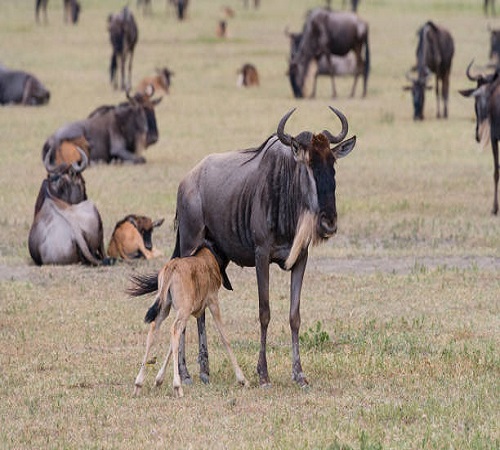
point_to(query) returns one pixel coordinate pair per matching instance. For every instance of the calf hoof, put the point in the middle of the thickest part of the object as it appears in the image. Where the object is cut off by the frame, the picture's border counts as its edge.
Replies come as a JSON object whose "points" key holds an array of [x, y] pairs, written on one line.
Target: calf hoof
{"points": [[137, 390], [178, 392]]}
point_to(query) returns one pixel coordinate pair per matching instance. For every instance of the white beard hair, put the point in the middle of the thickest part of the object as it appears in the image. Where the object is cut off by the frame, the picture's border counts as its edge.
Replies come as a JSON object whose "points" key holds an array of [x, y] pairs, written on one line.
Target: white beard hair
{"points": [[306, 232], [484, 134]]}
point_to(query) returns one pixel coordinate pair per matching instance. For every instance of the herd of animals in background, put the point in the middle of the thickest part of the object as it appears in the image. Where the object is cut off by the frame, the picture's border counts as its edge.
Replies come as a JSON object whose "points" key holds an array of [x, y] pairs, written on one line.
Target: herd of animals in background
{"points": [[67, 227]]}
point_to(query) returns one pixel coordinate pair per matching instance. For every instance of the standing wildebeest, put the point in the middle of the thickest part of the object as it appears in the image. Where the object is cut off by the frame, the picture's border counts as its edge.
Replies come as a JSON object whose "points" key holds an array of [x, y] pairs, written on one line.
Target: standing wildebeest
{"points": [[67, 228], [247, 76], [159, 81], [17, 86], [487, 105], [188, 285], [328, 33], [114, 132], [347, 65], [434, 55], [123, 35], [261, 206], [71, 10], [132, 238]]}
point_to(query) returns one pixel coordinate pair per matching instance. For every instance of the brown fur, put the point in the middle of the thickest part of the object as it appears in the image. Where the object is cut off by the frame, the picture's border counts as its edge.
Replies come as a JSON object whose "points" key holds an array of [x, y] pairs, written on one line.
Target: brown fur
{"points": [[68, 152], [159, 81], [248, 76], [221, 30], [128, 239], [189, 285]]}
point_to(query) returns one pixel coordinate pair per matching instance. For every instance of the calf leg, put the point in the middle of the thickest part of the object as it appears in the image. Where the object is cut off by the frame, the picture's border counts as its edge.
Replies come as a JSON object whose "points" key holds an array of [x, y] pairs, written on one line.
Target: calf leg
{"points": [[214, 309]]}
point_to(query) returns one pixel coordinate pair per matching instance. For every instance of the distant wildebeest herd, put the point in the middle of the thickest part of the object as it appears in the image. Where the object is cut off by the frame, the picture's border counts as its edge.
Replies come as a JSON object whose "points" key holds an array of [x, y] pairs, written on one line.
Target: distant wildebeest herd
{"points": [[253, 207]]}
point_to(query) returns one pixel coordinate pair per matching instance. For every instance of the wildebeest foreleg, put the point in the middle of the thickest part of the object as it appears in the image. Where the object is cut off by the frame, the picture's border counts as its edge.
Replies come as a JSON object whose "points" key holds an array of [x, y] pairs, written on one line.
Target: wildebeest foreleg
{"points": [[494, 146], [262, 269], [297, 277], [130, 60], [445, 88]]}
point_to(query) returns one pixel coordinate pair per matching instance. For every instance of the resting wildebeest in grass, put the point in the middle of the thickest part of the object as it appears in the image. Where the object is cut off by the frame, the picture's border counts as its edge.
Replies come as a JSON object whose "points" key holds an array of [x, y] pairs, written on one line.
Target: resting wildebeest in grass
{"points": [[20, 87], [188, 285], [114, 133], [260, 206], [435, 51], [161, 80], [247, 76], [486, 96], [71, 10], [67, 228], [132, 238], [123, 35], [332, 66], [328, 33]]}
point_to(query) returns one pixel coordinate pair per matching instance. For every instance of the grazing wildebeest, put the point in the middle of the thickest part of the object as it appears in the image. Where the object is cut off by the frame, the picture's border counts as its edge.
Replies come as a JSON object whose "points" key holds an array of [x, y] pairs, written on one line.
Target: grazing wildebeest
{"points": [[132, 238], [435, 51], [67, 228], [261, 206], [123, 34], [328, 33], [188, 285], [71, 10], [489, 4], [17, 86], [337, 66], [247, 76], [487, 106], [162, 80], [118, 133]]}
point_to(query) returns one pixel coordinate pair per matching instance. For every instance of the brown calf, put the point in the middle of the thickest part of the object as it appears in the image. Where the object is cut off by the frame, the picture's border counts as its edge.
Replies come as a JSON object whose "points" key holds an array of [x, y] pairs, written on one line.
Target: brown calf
{"points": [[132, 238], [159, 81], [189, 285], [68, 151], [248, 76]]}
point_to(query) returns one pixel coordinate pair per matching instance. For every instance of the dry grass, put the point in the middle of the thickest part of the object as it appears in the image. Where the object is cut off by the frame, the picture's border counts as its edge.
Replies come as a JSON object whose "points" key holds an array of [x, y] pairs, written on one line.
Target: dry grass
{"points": [[410, 358]]}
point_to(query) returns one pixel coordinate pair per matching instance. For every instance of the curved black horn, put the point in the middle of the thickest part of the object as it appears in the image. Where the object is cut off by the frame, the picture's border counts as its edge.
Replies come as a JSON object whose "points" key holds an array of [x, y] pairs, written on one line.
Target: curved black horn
{"points": [[469, 75], [283, 137], [80, 166], [343, 133], [49, 167]]}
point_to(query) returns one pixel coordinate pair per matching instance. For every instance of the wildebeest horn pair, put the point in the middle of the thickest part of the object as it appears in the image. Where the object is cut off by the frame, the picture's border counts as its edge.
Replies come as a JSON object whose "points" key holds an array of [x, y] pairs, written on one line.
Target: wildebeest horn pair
{"points": [[287, 139], [78, 166]]}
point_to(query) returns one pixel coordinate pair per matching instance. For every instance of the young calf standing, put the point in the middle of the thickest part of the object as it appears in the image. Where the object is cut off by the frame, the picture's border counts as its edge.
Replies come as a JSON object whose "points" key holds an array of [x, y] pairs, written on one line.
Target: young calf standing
{"points": [[189, 285]]}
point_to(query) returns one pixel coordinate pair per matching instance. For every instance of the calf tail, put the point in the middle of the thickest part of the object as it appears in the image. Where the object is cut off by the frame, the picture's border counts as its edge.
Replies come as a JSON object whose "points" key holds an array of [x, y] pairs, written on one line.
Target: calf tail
{"points": [[143, 284], [153, 311]]}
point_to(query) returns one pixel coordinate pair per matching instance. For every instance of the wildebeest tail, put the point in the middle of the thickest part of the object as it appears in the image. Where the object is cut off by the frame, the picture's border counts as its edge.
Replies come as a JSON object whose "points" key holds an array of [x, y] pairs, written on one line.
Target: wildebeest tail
{"points": [[143, 284]]}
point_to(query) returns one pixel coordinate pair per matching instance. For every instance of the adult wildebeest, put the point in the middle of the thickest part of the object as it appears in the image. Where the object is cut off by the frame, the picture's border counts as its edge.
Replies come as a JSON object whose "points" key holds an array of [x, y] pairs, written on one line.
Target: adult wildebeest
{"points": [[347, 65], [118, 133], [261, 206], [494, 46], [247, 76], [487, 106], [132, 238], [435, 51], [161, 80], [71, 10], [188, 285], [67, 228], [17, 86], [328, 33], [123, 34]]}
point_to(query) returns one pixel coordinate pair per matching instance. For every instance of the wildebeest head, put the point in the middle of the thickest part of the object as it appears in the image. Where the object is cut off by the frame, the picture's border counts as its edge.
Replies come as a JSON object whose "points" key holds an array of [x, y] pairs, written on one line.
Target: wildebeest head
{"points": [[145, 102], [65, 181], [35, 92], [418, 88], [315, 150], [145, 226]]}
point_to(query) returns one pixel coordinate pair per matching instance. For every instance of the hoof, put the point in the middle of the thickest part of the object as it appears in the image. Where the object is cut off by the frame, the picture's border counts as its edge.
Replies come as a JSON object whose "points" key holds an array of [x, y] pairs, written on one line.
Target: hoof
{"points": [[137, 390], [205, 378], [178, 392]]}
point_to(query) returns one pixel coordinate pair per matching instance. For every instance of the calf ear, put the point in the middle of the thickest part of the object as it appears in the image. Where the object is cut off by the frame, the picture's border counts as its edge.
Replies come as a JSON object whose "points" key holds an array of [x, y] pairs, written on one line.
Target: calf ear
{"points": [[158, 222], [344, 148], [466, 92]]}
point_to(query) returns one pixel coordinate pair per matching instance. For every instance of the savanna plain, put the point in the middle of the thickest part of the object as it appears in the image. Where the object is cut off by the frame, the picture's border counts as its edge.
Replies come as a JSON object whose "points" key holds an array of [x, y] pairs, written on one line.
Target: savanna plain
{"points": [[400, 310]]}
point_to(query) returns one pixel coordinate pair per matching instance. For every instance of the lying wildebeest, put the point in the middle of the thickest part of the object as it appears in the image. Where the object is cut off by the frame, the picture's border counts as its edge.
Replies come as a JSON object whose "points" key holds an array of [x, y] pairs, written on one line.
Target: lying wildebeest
{"points": [[188, 285], [71, 10], [67, 228], [123, 34], [159, 81], [247, 76], [17, 86], [132, 238], [114, 133], [261, 206], [336, 66], [487, 106], [489, 4], [435, 51], [328, 33]]}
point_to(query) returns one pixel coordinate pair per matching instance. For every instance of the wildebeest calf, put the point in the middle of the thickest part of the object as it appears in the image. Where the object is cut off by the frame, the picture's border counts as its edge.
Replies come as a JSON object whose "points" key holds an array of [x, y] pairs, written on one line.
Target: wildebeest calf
{"points": [[159, 81], [132, 238], [247, 76], [189, 285]]}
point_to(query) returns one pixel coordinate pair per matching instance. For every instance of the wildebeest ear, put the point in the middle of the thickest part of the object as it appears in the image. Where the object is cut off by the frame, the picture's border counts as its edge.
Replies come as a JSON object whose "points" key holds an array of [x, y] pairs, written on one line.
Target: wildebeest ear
{"points": [[344, 148], [466, 92], [158, 222]]}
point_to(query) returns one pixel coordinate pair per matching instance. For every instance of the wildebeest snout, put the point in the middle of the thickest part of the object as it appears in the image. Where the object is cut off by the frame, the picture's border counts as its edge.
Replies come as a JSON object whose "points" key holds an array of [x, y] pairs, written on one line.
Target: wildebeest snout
{"points": [[327, 225]]}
